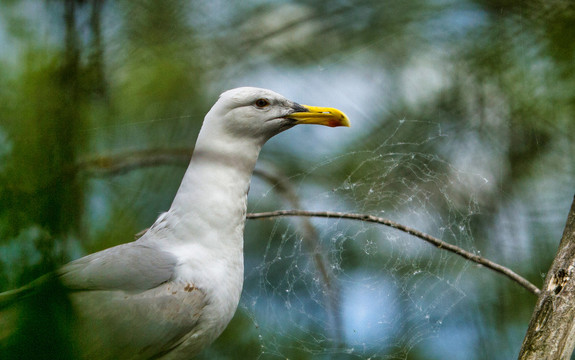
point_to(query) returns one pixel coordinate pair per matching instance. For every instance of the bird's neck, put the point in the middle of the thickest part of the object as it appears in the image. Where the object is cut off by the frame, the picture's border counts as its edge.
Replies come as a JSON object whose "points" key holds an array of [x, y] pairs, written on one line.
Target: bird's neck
{"points": [[205, 224], [210, 205]]}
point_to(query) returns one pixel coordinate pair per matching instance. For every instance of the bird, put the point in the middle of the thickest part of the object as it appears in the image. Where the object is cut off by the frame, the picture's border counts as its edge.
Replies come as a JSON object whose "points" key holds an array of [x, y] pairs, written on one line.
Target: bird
{"points": [[170, 293]]}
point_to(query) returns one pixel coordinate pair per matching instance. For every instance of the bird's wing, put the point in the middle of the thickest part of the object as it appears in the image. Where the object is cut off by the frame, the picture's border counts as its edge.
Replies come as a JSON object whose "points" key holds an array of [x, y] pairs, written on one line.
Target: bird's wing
{"points": [[114, 324], [125, 303], [128, 303], [128, 267]]}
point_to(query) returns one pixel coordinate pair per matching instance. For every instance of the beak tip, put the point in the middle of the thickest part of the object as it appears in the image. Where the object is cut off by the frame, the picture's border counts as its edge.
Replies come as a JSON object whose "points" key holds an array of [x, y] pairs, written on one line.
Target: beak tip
{"points": [[322, 116], [342, 124], [343, 121]]}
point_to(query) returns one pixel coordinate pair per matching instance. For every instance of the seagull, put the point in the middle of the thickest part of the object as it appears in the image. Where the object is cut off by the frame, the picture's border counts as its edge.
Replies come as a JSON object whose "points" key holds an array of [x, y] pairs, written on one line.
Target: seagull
{"points": [[173, 291]]}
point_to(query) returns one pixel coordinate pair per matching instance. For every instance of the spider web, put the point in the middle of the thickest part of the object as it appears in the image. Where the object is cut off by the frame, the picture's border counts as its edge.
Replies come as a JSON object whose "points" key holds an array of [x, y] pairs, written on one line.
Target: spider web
{"points": [[386, 294], [386, 291]]}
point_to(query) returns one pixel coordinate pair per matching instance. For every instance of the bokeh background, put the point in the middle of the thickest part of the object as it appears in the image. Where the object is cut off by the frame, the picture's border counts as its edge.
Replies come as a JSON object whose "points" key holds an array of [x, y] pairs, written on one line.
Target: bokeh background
{"points": [[462, 126]]}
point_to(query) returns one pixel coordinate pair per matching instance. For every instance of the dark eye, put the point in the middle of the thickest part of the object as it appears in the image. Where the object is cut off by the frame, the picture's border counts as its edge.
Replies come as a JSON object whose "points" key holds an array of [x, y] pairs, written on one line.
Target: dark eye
{"points": [[262, 103]]}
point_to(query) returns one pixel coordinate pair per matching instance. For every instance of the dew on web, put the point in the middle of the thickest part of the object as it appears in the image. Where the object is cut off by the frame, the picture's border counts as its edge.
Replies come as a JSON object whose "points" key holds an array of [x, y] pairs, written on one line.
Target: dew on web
{"points": [[384, 291]]}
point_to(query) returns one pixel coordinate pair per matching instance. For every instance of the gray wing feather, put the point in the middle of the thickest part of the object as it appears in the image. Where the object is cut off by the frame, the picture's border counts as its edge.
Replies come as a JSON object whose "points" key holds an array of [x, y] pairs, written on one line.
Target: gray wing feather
{"points": [[129, 267], [125, 304], [137, 325]]}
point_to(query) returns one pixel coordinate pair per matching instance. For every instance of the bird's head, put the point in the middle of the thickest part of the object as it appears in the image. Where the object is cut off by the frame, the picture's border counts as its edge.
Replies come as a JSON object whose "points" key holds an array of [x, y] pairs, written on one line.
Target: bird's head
{"points": [[261, 113]]}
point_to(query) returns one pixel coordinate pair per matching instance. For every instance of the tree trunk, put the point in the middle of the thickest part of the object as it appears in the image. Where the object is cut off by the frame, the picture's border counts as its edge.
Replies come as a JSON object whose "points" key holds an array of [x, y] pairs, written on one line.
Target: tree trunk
{"points": [[551, 332]]}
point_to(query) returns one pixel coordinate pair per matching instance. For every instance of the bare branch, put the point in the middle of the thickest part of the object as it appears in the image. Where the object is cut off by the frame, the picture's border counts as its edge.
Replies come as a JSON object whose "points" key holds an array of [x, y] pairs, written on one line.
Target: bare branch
{"points": [[112, 165], [122, 163], [551, 332], [423, 236], [312, 242], [109, 165]]}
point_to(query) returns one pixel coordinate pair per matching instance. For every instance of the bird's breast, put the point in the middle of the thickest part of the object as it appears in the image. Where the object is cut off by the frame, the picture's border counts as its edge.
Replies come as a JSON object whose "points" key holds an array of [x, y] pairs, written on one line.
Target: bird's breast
{"points": [[219, 275]]}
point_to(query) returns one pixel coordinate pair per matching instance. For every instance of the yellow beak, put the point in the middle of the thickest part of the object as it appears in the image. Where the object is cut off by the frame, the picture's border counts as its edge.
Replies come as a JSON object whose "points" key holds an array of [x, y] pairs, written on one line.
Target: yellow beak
{"points": [[321, 116]]}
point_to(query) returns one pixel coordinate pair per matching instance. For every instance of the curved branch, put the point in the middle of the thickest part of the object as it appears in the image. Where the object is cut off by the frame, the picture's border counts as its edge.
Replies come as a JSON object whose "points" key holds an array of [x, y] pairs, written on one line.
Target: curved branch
{"points": [[423, 236], [119, 164], [311, 240]]}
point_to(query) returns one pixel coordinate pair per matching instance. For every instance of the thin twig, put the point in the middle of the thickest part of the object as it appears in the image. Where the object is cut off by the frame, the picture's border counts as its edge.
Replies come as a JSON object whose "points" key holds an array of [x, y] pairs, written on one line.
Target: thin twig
{"points": [[423, 236], [118, 164], [112, 165]]}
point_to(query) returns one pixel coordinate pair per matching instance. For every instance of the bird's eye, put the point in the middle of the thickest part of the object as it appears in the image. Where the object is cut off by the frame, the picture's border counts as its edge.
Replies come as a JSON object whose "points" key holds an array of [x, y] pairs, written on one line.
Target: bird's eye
{"points": [[261, 103]]}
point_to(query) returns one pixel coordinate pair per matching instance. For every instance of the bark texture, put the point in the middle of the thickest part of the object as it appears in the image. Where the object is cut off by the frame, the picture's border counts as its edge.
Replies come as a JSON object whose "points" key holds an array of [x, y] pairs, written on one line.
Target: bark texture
{"points": [[551, 332]]}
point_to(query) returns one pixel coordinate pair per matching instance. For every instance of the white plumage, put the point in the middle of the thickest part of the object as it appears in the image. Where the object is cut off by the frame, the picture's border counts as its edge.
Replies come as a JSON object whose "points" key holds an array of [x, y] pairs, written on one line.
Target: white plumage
{"points": [[173, 291]]}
